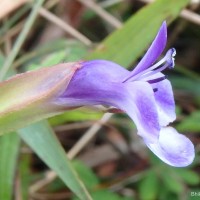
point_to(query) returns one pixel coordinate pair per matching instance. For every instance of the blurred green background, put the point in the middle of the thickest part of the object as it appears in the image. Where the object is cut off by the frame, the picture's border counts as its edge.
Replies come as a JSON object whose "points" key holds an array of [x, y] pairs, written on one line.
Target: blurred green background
{"points": [[112, 161]]}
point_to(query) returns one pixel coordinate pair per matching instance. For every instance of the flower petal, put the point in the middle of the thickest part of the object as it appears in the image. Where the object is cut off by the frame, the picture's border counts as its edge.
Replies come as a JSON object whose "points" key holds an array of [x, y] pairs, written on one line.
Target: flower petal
{"points": [[92, 83], [164, 98], [107, 69], [173, 148], [165, 102], [154, 50], [140, 105], [93, 86]]}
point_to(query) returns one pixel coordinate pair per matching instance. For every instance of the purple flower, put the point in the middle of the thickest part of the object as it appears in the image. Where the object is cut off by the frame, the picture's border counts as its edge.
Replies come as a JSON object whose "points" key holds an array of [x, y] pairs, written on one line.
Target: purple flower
{"points": [[144, 94]]}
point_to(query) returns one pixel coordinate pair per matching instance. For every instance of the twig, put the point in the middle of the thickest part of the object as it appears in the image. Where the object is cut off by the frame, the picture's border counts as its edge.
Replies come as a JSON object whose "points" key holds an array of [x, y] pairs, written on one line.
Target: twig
{"points": [[102, 13], [21, 38], [109, 3], [77, 125], [18, 189], [190, 16], [50, 4], [69, 29], [13, 31], [185, 13], [88, 135], [7, 45], [109, 154]]}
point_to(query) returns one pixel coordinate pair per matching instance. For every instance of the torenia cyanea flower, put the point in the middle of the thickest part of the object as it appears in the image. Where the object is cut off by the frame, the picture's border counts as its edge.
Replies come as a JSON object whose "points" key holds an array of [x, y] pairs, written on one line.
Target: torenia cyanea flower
{"points": [[144, 94]]}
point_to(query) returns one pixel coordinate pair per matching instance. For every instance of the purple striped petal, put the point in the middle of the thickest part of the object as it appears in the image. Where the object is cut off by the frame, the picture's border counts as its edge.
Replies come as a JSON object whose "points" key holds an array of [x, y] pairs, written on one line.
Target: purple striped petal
{"points": [[173, 148], [140, 105], [165, 102]]}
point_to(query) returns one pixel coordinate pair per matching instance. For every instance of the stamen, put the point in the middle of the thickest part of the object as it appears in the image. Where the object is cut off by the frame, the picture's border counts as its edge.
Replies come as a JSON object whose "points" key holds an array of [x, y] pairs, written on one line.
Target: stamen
{"points": [[166, 62], [166, 65], [170, 57]]}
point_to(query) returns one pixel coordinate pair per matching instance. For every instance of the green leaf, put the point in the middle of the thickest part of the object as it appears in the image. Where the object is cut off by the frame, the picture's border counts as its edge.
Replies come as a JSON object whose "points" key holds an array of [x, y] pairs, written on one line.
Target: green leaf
{"points": [[25, 174], [189, 176], [149, 186], [91, 181], [74, 116], [58, 51], [172, 183], [187, 72], [42, 140], [194, 194], [107, 195], [9, 148], [186, 84], [125, 45], [190, 123], [86, 174]]}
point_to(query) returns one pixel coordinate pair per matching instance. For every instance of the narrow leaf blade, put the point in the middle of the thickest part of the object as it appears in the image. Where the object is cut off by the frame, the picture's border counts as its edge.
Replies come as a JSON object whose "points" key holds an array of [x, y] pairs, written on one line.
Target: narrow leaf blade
{"points": [[9, 148], [42, 140]]}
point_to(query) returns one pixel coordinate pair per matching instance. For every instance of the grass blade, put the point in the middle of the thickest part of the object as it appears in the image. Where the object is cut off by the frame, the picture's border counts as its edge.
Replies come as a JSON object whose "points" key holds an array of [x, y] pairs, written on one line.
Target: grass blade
{"points": [[9, 146], [42, 140]]}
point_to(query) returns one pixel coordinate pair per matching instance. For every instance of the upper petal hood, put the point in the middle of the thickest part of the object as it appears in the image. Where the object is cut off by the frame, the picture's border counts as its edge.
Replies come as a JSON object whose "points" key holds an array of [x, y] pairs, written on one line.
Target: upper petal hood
{"points": [[94, 79], [154, 50]]}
